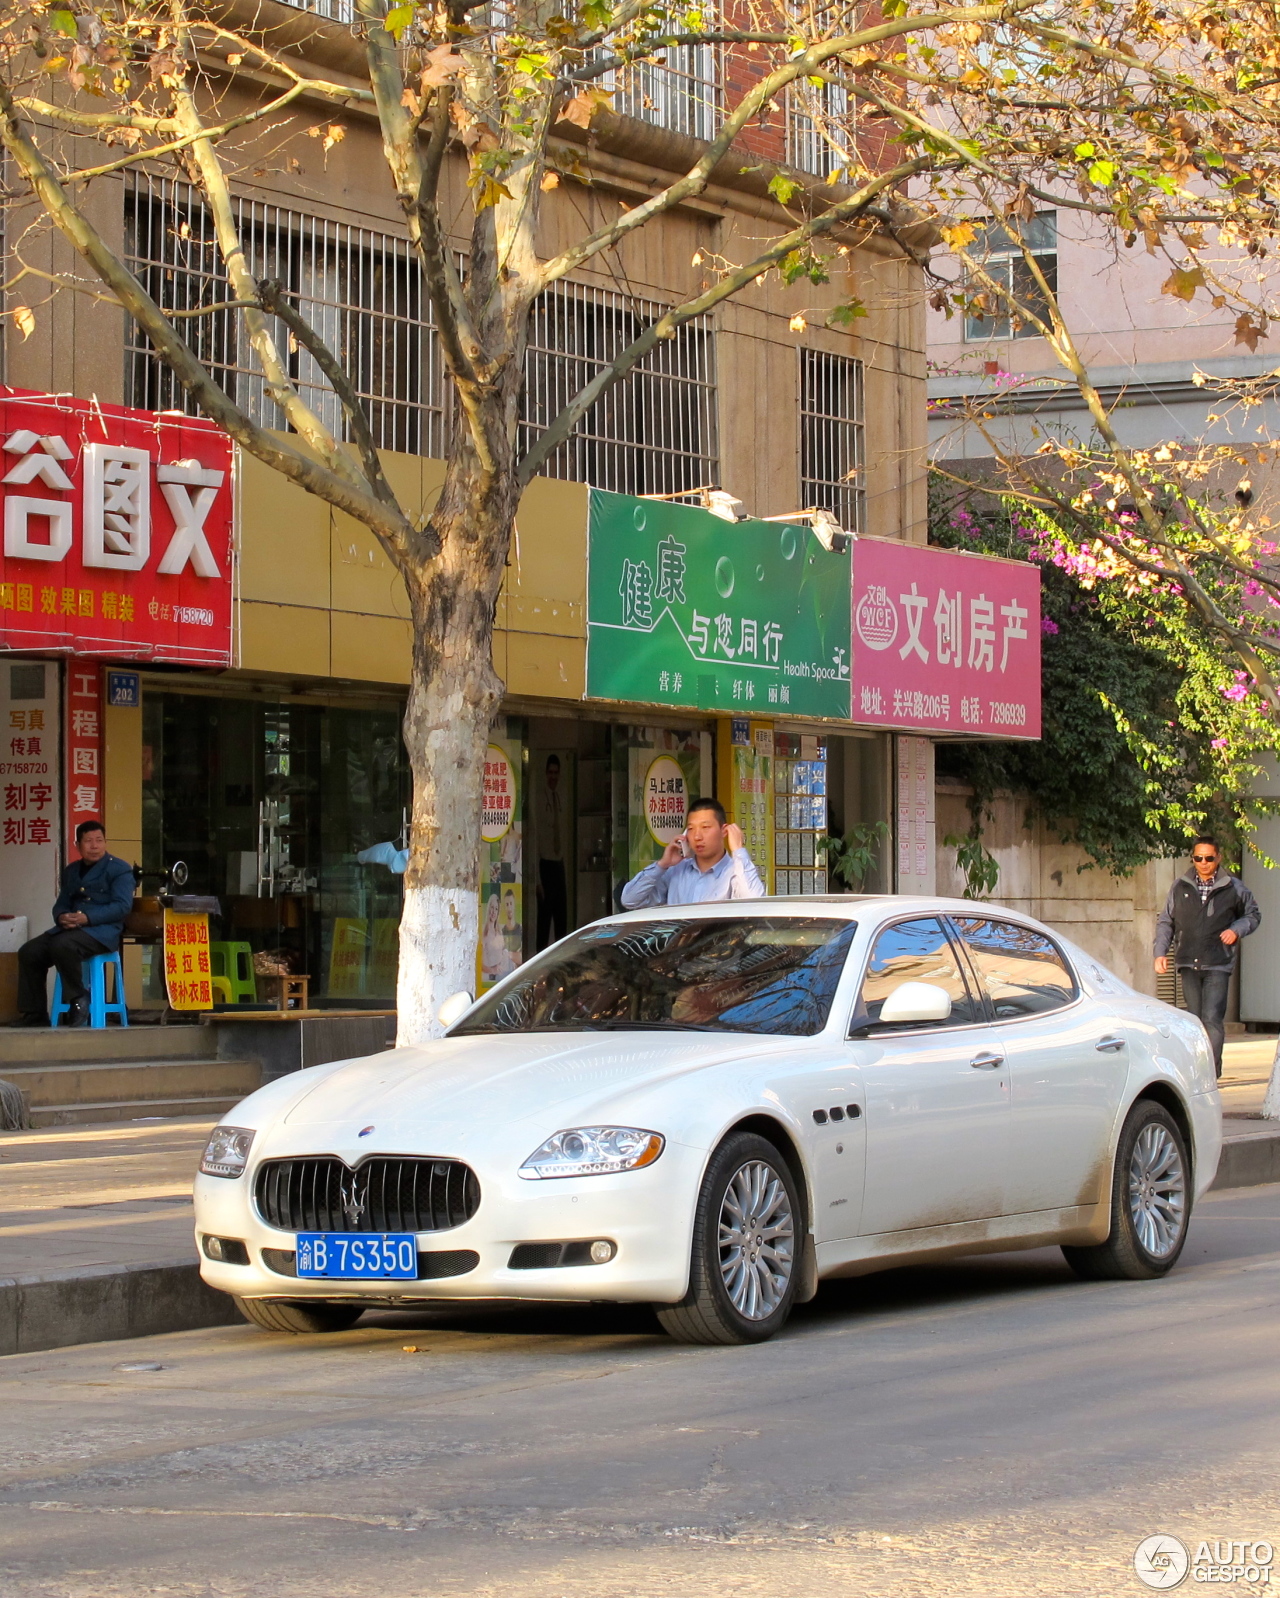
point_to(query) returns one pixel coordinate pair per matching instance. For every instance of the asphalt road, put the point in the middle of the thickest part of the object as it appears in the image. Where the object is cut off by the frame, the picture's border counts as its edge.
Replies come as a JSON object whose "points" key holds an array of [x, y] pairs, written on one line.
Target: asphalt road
{"points": [[990, 1427]]}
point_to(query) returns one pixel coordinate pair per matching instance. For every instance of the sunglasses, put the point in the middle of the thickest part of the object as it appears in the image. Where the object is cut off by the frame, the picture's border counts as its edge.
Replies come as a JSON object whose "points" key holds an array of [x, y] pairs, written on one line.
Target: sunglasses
{"points": [[1203, 859]]}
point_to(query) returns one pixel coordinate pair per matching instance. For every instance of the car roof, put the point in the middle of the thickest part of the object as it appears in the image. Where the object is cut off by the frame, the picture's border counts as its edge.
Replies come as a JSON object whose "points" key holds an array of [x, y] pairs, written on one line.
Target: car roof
{"points": [[841, 906]]}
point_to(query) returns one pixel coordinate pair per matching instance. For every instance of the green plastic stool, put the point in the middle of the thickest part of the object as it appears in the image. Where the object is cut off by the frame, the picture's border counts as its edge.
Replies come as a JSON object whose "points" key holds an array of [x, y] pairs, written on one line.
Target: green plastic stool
{"points": [[233, 964]]}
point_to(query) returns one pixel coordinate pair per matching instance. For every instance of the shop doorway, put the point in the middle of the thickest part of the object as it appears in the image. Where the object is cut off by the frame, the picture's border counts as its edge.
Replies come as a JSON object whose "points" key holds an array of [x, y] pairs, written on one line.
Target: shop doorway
{"points": [[269, 802]]}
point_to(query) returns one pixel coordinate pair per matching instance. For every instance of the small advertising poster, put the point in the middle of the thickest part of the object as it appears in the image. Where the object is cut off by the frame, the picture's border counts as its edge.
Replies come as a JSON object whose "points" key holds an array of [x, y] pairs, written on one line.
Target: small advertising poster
{"points": [[501, 862], [347, 957], [186, 961], [665, 770], [748, 761]]}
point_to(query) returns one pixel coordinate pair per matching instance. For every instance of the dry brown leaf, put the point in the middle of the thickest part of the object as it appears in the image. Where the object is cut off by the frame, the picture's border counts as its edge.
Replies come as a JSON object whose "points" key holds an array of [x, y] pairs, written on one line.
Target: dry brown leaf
{"points": [[24, 320], [550, 180], [1183, 282], [444, 64]]}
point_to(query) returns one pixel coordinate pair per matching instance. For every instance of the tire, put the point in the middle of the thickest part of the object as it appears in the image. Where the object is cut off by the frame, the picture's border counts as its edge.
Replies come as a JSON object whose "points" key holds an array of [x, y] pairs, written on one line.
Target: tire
{"points": [[288, 1315], [1150, 1202], [739, 1290]]}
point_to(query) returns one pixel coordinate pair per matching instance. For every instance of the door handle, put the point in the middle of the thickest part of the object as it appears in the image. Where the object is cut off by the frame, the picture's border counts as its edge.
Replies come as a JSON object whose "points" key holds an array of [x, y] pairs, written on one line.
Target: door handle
{"points": [[987, 1061], [1109, 1045]]}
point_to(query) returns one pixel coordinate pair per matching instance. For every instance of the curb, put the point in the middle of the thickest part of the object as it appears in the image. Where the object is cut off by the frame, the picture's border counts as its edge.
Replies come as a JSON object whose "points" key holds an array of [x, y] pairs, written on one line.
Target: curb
{"points": [[1249, 1161], [106, 1302]]}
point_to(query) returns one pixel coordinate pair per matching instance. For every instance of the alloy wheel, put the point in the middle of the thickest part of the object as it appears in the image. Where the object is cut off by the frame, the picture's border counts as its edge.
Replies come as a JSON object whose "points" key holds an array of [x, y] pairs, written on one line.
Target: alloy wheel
{"points": [[757, 1240], [1157, 1190]]}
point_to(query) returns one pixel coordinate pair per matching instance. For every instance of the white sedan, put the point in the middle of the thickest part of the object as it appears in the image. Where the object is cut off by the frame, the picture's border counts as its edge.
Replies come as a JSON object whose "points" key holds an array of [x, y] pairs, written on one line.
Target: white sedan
{"points": [[712, 1109]]}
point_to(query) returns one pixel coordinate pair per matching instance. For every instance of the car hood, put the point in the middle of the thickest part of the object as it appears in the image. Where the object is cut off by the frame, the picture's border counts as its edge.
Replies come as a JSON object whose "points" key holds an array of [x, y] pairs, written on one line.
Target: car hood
{"points": [[473, 1081]]}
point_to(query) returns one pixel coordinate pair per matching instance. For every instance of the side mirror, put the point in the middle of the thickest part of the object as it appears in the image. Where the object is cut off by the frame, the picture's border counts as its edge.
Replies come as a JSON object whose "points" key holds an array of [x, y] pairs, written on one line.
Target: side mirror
{"points": [[454, 1008], [916, 1001]]}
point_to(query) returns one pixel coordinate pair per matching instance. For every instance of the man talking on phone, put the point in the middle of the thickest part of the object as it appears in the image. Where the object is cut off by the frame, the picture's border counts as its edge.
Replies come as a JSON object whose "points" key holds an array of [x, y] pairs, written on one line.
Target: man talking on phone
{"points": [[708, 862]]}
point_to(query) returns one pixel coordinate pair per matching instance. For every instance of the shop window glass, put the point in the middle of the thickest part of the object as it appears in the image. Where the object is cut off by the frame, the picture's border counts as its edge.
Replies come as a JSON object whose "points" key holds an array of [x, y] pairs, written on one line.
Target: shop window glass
{"points": [[270, 803]]}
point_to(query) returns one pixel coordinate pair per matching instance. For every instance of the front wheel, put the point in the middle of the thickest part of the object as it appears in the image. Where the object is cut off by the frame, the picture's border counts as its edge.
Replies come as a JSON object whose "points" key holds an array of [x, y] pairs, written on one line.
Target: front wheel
{"points": [[746, 1244], [1150, 1202], [288, 1315]]}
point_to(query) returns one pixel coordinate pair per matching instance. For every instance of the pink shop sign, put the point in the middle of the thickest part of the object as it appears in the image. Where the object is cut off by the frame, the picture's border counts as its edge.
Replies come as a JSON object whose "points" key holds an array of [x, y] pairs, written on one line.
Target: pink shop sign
{"points": [[945, 642]]}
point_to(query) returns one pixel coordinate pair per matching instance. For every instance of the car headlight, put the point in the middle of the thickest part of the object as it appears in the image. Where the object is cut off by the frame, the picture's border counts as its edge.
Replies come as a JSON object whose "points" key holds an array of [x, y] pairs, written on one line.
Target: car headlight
{"points": [[227, 1151], [593, 1151]]}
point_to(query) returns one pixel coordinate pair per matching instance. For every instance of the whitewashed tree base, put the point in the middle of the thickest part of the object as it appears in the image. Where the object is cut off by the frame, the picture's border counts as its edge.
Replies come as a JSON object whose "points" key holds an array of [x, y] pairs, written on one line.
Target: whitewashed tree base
{"points": [[1271, 1104], [439, 929]]}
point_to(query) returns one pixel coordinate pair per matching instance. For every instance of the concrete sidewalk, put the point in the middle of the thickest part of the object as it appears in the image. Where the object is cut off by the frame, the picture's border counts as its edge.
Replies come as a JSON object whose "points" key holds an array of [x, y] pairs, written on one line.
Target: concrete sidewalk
{"points": [[96, 1234], [96, 1225]]}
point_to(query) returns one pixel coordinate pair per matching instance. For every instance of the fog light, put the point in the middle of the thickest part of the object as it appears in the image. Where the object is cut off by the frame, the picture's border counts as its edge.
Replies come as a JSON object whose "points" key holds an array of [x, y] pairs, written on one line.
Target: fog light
{"points": [[228, 1250], [602, 1253]]}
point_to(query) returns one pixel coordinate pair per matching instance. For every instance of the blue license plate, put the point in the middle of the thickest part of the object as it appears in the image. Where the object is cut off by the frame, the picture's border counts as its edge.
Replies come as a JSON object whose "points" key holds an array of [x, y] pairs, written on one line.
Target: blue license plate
{"points": [[386, 1256]]}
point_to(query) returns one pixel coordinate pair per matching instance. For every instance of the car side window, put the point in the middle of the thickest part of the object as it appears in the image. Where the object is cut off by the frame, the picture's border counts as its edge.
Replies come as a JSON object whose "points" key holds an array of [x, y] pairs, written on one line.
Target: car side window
{"points": [[1022, 971], [915, 951]]}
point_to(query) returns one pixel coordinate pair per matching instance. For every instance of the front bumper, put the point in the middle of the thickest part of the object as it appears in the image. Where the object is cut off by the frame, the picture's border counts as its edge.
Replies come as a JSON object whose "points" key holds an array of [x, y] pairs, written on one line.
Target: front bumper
{"points": [[647, 1215], [1206, 1135]]}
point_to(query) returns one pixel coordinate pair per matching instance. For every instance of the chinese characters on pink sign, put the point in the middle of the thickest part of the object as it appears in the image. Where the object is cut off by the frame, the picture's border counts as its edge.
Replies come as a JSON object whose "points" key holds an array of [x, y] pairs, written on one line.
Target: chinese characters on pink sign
{"points": [[944, 641], [117, 531]]}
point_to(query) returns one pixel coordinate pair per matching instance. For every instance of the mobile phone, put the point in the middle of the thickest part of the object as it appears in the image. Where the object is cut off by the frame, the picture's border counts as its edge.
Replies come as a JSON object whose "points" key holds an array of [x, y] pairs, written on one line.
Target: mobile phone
{"points": [[685, 851]]}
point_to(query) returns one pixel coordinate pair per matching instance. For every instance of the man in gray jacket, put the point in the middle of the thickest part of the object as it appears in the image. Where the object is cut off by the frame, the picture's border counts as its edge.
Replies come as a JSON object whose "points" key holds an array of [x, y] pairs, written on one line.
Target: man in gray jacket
{"points": [[1207, 913]]}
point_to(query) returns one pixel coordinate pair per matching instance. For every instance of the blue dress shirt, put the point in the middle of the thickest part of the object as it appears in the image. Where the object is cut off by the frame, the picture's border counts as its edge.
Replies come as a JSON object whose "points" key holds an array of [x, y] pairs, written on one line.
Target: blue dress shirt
{"points": [[734, 876]]}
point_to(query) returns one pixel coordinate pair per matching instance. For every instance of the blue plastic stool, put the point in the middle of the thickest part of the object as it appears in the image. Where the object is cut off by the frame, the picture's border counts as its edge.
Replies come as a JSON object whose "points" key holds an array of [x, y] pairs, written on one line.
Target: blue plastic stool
{"points": [[95, 979]]}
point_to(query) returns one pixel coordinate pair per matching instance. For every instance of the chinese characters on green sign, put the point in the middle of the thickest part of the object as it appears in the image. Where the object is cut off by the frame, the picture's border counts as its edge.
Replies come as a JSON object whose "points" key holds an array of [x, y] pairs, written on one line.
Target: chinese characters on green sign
{"points": [[684, 608]]}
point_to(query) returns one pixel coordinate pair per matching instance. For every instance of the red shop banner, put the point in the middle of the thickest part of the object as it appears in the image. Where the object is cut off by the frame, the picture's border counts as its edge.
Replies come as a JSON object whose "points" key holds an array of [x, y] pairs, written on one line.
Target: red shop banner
{"points": [[118, 529], [945, 641]]}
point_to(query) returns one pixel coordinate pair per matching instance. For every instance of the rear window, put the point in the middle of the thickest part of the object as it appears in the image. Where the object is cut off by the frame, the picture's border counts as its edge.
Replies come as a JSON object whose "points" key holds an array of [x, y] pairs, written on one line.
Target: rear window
{"points": [[760, 974], [1023, 972]]}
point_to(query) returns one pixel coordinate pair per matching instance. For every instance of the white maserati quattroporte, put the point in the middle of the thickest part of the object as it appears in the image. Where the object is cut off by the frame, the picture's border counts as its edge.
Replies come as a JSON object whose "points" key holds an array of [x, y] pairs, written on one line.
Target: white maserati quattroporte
{"points": [[713, 1109]]}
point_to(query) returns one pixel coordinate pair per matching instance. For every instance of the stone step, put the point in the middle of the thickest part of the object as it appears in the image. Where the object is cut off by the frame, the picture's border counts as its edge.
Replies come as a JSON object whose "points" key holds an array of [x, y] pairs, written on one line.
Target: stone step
{"points": [[72, 1045], [131, 1110], [46, 1086]]}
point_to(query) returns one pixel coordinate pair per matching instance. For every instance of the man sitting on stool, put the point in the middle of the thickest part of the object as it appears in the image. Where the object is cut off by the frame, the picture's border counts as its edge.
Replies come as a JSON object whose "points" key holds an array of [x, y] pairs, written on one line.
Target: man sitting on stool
{"points": [[96, 896]]}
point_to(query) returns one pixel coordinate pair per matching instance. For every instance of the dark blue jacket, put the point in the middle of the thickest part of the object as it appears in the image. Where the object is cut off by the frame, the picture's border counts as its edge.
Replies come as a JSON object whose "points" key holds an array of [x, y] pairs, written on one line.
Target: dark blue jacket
{"points": [[104, 893]]}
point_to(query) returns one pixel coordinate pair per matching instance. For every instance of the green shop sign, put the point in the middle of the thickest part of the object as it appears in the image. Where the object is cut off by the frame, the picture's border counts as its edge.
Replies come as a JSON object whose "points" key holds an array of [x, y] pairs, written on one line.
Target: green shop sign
{"points": [[684, 608]]}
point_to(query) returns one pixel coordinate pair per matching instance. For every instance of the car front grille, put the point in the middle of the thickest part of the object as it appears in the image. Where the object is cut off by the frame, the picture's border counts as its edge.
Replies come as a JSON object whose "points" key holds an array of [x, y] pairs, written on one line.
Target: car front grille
{"points": [[387, 1193]]}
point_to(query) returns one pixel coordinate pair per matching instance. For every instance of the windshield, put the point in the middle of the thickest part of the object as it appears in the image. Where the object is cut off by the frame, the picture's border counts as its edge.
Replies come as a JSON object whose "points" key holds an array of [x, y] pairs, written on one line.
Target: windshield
{"points": [[769, 974]]}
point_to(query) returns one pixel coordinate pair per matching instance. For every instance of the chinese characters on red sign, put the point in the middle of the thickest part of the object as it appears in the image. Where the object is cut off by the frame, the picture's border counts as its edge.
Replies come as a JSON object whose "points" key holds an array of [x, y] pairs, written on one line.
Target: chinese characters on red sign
{"points": [[117, 531], [83, 767], [944, 641]]}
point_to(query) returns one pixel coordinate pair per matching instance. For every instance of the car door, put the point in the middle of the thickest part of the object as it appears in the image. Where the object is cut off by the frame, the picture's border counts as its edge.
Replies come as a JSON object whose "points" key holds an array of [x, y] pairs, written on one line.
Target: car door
{"points": [[936, 1099], [827, 1097], [1066, 1060]]}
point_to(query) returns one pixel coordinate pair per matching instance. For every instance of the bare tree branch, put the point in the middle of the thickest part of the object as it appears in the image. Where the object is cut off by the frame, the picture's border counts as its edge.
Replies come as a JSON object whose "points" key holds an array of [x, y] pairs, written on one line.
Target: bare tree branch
{"points": [[805, 64], [176, 353], [666, 326]]}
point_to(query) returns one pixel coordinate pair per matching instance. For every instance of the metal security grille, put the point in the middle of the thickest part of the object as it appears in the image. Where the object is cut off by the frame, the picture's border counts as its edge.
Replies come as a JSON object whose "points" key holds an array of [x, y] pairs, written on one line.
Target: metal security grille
{"points": [[681, 92], [819, 130], [362, 291], [831, 436], [383, 1194], [335, 10], [652, 433]]}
